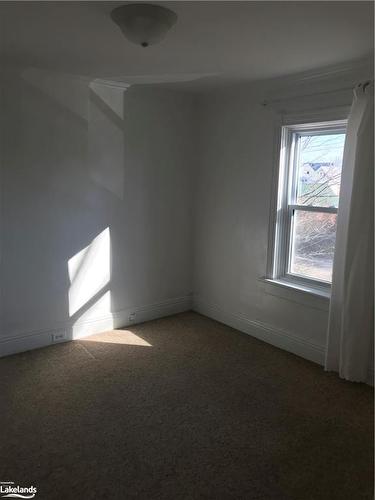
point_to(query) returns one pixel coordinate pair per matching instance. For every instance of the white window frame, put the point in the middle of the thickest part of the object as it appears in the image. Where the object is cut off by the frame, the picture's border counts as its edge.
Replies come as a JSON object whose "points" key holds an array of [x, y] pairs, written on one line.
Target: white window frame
{"points": [[285, 205]]}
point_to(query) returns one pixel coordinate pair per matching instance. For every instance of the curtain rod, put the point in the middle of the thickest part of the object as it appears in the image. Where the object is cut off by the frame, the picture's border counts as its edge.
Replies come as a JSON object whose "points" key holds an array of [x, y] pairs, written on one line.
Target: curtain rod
{"points": [[274, 101], [343, 89]]}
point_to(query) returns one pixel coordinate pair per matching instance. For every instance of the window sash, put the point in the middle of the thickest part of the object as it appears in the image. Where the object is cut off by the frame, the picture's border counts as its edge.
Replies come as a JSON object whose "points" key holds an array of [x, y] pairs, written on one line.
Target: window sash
{"points": [[288, 254], [287, 199], [313, 208], [294, 142]]}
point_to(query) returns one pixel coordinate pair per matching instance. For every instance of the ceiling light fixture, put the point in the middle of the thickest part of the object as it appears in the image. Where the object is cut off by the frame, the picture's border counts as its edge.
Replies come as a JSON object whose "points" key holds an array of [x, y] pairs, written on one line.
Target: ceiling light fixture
{"points": [[143, 23]]}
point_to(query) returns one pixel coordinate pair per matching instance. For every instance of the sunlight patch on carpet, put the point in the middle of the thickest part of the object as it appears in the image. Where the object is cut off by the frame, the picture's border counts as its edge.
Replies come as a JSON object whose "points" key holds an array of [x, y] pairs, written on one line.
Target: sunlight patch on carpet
{"points": [[124, 337]]}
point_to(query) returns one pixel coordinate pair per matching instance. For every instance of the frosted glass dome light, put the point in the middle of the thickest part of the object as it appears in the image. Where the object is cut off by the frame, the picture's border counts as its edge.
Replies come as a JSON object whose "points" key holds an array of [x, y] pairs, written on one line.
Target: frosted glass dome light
{"points": [[142, 23]]}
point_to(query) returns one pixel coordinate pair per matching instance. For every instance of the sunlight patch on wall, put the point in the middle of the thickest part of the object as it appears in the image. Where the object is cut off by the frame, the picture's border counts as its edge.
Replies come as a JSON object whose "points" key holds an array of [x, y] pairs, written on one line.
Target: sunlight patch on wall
{"points": [[94, 319], [89, 272], [101, 308]]}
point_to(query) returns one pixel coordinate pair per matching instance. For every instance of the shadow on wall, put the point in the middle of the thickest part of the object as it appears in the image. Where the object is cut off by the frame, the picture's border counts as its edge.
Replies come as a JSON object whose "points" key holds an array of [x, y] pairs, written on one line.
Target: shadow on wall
{"points": [[97, 183], [77, 148]]}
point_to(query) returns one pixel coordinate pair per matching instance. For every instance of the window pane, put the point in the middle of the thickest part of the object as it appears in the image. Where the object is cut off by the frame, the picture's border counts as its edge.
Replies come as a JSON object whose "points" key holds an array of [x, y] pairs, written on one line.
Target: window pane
{"points": [[319, 169], [313, 244]]}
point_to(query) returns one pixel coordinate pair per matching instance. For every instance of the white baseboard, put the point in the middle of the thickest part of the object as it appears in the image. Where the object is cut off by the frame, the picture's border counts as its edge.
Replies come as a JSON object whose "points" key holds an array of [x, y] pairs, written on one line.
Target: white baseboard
{"points": [[26, 341], [278, 338]]}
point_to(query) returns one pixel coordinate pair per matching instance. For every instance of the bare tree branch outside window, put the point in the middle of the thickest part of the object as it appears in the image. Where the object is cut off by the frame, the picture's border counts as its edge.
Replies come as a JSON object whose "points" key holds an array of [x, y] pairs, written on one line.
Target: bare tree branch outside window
{"points": [[318, 185]]}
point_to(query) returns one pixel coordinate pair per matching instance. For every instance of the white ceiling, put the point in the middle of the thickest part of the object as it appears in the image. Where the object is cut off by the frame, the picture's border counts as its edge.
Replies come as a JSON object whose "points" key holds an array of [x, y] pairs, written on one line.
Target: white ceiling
{"points": [[235, 41]]}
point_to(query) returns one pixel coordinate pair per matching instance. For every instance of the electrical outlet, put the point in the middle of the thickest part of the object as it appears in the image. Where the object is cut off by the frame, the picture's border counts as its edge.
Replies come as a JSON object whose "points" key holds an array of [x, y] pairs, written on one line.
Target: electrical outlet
{"points": [[131, 317], [59, 336]]}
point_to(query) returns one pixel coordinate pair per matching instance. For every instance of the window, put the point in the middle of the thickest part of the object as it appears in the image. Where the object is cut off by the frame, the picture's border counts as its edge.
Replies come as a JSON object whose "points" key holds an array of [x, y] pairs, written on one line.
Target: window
{"points": [[308, 197]]}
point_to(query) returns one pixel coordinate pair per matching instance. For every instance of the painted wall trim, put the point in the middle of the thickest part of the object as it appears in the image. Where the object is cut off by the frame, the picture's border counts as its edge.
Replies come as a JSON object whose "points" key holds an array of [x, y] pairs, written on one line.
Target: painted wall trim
{"points": [[339, 71], [274, 336], [278, 338], [26, 341], [110, 83]]}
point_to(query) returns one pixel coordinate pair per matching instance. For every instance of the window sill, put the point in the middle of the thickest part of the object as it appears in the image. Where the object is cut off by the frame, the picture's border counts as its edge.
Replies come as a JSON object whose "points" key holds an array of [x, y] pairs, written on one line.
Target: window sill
{"points": [[319, 292], [317, 298]]}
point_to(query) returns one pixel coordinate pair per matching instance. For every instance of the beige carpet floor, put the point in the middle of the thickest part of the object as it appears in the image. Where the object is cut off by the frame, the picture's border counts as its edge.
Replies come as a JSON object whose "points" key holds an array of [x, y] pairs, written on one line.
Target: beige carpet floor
{"points": [[182, 408]]}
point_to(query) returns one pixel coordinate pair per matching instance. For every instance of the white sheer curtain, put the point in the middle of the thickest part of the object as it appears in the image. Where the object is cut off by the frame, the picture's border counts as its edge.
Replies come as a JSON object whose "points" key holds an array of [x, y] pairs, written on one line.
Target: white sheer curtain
{"points": [[351, 315]]}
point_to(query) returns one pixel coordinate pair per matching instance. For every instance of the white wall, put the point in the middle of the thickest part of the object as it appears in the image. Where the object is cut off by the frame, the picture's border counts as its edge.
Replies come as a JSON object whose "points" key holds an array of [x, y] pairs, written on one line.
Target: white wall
{"points": [[115, 202], [232, 211], [96, 206]]}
